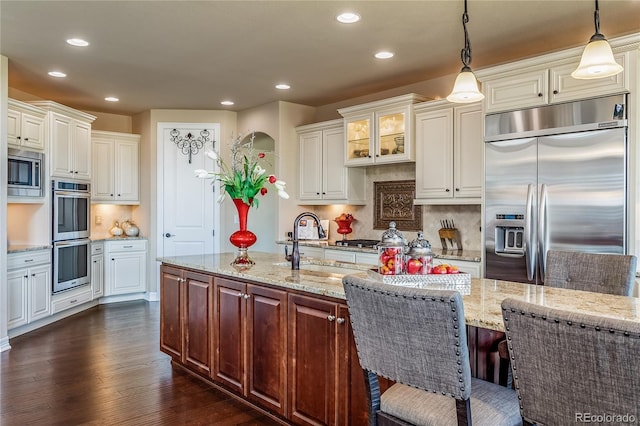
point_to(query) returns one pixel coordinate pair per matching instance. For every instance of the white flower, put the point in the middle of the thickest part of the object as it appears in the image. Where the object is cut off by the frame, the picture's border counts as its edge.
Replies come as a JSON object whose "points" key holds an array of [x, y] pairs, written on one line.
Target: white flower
{"points": [[283, 194], [202, 174], [259, 170], [213, 155], [280, 184]]}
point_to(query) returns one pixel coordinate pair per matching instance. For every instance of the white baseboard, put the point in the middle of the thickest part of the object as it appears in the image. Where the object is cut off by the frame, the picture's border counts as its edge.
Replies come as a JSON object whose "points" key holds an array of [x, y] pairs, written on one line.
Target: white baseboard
{"points": [[122, 298], [51, 319], [4, 344]]}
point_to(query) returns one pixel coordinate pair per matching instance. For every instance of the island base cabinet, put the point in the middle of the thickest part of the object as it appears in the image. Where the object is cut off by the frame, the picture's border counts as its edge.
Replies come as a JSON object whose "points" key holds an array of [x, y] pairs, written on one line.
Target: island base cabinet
{"points": [[250, 342], [186, 319], [326, 384]]}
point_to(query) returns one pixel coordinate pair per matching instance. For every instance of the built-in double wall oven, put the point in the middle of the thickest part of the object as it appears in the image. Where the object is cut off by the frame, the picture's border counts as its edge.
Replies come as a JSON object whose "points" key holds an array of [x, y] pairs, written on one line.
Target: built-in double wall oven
{"points": [[71, 211]]}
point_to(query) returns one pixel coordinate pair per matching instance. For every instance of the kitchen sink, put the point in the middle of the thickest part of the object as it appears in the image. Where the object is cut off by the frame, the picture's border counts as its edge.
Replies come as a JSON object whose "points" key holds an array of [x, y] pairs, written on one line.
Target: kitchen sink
{"points": [[323, 267]]}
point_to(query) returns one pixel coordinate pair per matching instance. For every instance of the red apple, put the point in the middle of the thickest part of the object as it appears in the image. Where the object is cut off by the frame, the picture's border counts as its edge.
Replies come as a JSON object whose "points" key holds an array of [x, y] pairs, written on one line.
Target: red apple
{"points": [[414, 266], [452, 269]]}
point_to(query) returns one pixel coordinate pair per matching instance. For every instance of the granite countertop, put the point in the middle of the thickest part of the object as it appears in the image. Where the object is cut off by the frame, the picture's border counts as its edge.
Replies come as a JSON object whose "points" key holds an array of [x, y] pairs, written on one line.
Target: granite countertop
{"points": [[19, 248], [481, 304], [467, 255]]}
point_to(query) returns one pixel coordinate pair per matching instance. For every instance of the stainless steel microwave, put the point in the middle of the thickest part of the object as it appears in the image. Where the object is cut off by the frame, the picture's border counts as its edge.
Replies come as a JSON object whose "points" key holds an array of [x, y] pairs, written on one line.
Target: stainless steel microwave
{"points": [[25, 173]]}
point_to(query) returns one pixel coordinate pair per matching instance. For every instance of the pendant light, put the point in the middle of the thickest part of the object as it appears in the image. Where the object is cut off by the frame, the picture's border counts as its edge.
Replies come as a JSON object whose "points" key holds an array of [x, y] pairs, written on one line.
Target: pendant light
{"points": [[465, 89], [597, 59]]}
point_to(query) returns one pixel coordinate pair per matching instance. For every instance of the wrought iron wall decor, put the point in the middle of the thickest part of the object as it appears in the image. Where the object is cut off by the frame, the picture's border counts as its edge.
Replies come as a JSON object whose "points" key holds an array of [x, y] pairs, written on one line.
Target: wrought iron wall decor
{"points": [[189, 144], [394, 202]]}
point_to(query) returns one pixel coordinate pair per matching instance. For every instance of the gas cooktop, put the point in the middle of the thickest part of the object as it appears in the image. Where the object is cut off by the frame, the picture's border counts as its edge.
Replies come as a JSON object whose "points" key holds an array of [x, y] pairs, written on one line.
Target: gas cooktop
{"points": [[358, 243]]}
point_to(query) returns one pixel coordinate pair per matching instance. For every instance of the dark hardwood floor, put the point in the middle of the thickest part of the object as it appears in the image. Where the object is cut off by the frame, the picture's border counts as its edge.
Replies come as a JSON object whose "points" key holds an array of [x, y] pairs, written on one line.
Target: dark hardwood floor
{"points": [[103, 367]]}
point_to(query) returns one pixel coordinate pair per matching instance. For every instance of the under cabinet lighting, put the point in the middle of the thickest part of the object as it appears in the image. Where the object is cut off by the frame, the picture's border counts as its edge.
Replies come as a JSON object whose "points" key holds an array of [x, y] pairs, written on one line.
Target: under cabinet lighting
{"points": [[111, 99], [58, 74], [283, 86], [227, 103]]}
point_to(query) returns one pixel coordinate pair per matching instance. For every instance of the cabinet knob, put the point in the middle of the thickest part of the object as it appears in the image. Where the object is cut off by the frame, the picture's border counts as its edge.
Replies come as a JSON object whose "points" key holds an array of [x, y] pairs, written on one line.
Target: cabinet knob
{"points": [[246, 296], [111, 195], [340, 321], [555, 92], [33, 275], [168, 235], [26, 139], [539, 95], [331, 317], [317, 193], [240, 294], [18, 137], [26, 276], [118, 195], [446, 190], [75, 172], [457, 189], [324, 193]]}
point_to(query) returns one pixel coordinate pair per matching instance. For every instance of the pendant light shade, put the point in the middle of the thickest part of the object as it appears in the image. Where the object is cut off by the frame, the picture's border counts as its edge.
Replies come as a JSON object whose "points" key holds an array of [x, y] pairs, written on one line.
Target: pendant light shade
{"points": [[465, 88], [597, 58]]}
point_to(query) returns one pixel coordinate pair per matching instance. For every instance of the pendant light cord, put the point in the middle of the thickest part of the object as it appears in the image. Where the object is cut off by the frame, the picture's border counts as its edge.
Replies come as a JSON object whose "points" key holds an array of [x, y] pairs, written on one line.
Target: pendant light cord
{"points": [[596, 22], [465, 54]]}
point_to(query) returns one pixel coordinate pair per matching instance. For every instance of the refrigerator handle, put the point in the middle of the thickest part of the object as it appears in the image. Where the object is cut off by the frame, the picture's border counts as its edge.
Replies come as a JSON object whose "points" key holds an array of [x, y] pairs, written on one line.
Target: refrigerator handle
{"points": [[542, 230], [530, 251]]}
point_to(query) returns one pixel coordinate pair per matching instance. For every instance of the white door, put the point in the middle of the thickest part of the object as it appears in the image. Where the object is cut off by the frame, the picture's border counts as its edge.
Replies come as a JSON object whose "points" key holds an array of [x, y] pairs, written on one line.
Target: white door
{"points": [[188, 210]]}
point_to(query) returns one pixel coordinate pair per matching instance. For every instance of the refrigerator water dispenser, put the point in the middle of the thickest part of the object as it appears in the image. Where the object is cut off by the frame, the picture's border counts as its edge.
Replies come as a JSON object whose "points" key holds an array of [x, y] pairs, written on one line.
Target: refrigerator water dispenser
{"points": [[510, 239]]}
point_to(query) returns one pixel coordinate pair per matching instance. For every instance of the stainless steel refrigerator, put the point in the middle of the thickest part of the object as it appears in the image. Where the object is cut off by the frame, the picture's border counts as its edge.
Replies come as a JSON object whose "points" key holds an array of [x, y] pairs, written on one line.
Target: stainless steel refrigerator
{"points": [[556, 178]]}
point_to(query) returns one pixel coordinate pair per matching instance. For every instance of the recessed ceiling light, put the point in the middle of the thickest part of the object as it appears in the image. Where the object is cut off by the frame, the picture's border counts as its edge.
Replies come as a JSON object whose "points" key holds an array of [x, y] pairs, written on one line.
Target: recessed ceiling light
{"points": [[111, 99], [348, 17], [58, 74], [283, 86], [78, 42], [227, 103], [384, 55]]}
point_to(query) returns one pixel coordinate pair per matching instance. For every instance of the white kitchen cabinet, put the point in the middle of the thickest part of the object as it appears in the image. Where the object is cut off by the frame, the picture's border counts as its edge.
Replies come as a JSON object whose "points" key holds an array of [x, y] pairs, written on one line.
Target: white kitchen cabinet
{"points": [[380, 132], [340, 256], [97, 269], [549, 83], [125, 267], [323, 177], [115, 167], [367, 258], [306, 251], [449, 165], [69, 132], [28, 287], [25, 126]]}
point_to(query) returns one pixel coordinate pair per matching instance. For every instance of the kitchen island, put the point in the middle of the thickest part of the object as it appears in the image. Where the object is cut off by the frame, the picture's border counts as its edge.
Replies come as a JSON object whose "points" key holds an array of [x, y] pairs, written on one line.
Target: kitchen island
{"points": [[281, 339]]}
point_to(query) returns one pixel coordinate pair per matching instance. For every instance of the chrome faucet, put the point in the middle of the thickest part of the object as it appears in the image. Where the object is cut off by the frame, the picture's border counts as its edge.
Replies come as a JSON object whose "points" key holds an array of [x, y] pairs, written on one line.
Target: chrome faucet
{"points": [[294, 257]]}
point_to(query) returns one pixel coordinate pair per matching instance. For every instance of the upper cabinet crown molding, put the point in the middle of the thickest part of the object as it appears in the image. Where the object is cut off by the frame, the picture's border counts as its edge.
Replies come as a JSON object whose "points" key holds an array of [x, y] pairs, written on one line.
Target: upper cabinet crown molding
{"points": [[64, 110], [381, 131]]}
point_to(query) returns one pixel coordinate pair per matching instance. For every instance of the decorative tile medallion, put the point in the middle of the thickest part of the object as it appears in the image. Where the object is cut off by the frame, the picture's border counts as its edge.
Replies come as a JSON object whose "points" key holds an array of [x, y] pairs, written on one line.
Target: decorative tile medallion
{"points": [[394, 202]]}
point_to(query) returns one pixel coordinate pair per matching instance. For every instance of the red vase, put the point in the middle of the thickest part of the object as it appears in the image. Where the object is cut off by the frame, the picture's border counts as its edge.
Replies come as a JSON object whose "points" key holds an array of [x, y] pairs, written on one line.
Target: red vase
{"points": [[242, 238]]}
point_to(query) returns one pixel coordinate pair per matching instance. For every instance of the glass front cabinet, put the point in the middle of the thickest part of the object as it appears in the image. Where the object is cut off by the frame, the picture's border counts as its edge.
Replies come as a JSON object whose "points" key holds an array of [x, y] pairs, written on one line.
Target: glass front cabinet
{"points": [[380, 132]]}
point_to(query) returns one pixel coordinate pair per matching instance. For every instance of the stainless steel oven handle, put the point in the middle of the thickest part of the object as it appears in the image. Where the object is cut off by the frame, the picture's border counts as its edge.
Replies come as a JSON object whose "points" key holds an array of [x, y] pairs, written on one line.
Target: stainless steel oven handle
{"points": [[72, 194]]}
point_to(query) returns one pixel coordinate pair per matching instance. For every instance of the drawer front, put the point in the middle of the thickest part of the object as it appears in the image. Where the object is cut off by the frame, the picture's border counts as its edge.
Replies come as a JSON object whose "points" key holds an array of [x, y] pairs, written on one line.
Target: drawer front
{"points": [[120, 246], [97, 248], [29, 258], [74, 298], [341, 256]]}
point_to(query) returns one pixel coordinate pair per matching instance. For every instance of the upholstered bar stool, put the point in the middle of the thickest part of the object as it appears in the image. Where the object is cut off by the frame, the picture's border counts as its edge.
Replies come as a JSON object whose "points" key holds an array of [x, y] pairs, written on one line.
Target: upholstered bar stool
{"points": [[596, 272], [417, 337], [571, 368]]}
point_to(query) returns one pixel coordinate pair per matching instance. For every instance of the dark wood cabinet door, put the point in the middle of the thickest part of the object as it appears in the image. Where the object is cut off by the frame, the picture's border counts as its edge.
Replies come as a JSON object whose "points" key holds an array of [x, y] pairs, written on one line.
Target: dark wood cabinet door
{"points": [[352, 396], [170, 312], [267, 347], [312, 361], [229, 336], [198, 320]]}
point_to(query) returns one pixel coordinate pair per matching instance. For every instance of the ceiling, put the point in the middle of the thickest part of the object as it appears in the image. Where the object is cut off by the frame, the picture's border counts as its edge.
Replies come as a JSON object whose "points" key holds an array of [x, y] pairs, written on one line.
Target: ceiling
{"points": [[195, 54]]}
